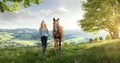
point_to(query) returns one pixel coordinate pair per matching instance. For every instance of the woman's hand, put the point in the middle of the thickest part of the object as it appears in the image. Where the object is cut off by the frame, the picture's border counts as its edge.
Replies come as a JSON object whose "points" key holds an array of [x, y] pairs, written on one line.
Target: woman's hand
{"points": [[39, 39]]}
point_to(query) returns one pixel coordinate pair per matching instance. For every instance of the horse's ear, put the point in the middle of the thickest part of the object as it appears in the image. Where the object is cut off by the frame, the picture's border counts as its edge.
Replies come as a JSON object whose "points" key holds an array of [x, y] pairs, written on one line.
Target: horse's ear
{"points": [[58, 19], [53, 19]]}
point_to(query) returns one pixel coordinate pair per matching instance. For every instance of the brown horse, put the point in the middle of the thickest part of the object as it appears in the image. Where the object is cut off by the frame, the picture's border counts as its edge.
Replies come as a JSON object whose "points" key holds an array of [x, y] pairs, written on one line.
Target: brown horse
{"points": [[57, 33]]}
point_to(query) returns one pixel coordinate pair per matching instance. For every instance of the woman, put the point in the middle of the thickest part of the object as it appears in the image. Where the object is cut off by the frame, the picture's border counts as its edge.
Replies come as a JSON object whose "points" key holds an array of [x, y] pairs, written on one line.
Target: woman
{"points": [[43, 31]]}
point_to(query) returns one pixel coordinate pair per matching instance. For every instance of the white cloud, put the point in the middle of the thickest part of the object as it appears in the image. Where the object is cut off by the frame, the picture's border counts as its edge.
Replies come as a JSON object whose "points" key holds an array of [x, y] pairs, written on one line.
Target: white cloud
{"points": [[60, 10], [19, 19], [46, 12], [13, 16]]}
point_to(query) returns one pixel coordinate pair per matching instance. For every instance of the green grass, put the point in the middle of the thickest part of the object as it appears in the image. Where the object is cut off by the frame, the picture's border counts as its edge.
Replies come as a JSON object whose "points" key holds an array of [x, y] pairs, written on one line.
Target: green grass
{"points": [[96, 52]]}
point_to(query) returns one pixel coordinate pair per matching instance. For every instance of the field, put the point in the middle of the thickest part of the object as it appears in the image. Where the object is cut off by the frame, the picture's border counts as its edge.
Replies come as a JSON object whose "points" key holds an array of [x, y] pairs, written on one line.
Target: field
{"points": [[106, 51]]}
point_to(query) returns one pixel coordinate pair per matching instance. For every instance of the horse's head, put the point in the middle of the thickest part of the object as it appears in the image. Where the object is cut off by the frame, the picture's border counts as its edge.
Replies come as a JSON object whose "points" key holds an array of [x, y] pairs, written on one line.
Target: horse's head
{"points": [[55, 24]]}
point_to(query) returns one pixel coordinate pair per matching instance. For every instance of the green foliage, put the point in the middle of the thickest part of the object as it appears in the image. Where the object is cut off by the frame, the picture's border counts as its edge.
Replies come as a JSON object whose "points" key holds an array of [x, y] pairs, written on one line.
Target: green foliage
{"points": [[13, 5], [26, 36], [66, 44], [108, 37], [100, 15], [96, 39], [26, 42], [4, 36]]}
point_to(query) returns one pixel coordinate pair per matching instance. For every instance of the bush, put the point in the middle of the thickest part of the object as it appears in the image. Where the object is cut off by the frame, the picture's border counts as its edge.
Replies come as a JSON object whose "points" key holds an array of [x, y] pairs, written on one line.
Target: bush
{"points": [[4, 36], [65, 44], [108, 37], [97, 39]]}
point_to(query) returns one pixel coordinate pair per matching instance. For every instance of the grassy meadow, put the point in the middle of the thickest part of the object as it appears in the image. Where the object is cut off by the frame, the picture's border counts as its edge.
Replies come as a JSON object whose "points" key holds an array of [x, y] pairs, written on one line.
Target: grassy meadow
{"points": [[106, 51]]}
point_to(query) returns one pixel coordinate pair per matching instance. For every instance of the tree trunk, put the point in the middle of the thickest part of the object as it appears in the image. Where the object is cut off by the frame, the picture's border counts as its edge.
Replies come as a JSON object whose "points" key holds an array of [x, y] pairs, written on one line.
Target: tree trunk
{"points": [[115, 30], [111, 34], [115, 33]]}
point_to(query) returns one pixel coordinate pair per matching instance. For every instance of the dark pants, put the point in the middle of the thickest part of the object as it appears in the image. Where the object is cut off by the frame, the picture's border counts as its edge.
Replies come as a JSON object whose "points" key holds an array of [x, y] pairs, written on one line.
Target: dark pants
{"points": [[44, 43]]}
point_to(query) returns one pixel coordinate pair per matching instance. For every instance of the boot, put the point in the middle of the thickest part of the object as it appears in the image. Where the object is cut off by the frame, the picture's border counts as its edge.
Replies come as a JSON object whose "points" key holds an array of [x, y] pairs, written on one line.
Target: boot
{"points": [[43, 50]]}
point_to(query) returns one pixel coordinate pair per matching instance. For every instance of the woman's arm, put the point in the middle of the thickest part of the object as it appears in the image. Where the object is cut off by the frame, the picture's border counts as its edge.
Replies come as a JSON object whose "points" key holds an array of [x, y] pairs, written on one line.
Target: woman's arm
{"points": [[48, 33]]}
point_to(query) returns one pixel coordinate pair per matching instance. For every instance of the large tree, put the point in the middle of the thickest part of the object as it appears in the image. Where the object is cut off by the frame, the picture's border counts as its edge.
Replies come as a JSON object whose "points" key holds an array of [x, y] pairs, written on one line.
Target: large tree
{"points": [[101, 15], [13, 5]]}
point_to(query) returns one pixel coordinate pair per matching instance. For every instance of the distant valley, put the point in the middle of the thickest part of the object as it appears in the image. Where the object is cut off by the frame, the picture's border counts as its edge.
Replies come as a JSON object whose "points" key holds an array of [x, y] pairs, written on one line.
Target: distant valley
{"points": [[32, 34]]}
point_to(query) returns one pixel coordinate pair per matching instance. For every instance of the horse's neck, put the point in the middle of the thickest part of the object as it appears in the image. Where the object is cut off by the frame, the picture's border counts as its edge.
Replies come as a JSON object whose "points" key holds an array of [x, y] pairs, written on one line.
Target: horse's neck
{"points": [[61, 28]]}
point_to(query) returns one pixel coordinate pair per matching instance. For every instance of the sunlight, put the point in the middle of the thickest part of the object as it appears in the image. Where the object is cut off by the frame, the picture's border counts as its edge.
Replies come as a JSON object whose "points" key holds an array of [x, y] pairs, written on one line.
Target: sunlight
{"points": [[119, 28]]}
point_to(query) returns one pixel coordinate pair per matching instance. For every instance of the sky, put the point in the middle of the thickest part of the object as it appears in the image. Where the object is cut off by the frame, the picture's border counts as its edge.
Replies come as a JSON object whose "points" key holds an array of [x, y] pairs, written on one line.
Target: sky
{"points": [[68, 11]]}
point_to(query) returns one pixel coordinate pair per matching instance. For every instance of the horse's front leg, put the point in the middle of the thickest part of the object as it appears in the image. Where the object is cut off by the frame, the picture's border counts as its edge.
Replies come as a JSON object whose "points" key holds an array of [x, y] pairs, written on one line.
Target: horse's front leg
{"points": [[55, 43], [60, 40]]}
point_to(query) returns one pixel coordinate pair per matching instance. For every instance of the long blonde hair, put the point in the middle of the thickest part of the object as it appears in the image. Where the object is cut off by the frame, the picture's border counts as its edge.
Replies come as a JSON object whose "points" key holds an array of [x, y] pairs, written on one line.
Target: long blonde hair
{"points": [[43, 26]]}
